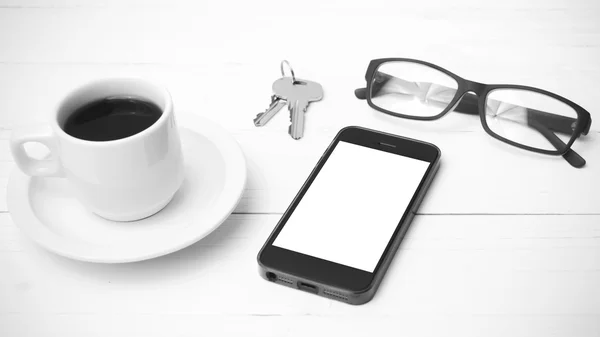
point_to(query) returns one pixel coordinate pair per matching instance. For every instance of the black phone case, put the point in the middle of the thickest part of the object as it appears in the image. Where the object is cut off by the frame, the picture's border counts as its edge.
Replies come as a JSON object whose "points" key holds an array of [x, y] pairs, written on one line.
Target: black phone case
{"points": [[345, 295]]}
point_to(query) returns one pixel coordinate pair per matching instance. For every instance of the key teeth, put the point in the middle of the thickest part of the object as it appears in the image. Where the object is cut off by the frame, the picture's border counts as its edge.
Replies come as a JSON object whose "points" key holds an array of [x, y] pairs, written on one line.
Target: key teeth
{"points": [[256, 119], [291, 133], [276, 105]]}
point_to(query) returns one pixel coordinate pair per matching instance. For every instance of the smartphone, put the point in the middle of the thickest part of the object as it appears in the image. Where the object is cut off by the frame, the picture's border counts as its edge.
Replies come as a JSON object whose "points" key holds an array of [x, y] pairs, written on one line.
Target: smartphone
{"points": [[341, 231]]}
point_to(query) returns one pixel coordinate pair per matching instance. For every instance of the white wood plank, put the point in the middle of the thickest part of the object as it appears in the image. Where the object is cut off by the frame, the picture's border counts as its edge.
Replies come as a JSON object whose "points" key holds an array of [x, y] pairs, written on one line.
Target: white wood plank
{"points": [[232, 94], [474, 4], [468, 37], [467, 273], [489, 176], [188, 325]]}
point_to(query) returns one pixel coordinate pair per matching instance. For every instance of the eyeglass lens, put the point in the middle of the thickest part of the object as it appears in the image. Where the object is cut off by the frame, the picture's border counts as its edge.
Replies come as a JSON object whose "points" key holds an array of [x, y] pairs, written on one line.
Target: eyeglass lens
{"points": [[412, 89]]}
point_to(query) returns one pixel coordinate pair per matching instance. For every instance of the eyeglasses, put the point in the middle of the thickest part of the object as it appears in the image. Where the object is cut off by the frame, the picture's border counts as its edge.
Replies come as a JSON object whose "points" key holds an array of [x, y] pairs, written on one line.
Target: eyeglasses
{"points": [[529, 118]]}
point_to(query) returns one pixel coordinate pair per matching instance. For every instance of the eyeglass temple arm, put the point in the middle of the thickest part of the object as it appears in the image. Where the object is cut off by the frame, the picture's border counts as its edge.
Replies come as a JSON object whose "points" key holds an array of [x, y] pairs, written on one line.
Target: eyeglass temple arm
{"points": [[469, 105], [570, 156], [360, 93]]}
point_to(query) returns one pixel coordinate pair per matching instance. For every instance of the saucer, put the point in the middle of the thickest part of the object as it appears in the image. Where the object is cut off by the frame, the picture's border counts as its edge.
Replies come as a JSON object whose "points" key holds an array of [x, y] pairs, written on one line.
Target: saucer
{"points": [[46, 210]]}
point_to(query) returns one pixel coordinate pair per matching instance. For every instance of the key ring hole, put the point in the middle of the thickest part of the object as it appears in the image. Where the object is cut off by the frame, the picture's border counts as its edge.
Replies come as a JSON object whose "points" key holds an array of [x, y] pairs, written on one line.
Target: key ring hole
{"points": [[285, 62]]}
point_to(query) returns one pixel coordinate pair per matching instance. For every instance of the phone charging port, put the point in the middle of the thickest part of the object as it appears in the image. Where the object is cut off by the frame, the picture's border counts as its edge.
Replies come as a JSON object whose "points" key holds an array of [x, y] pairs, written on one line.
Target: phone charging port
{"points": [[308, 287]]}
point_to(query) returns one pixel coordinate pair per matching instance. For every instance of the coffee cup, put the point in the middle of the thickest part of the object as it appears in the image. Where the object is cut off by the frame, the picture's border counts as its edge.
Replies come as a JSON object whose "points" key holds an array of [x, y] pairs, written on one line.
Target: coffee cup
{"points": [[117, 144]]}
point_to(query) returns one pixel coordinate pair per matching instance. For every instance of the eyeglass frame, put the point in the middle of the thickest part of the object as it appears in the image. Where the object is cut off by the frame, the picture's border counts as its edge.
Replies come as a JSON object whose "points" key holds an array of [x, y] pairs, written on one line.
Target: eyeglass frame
{"points": [[480, 91]]}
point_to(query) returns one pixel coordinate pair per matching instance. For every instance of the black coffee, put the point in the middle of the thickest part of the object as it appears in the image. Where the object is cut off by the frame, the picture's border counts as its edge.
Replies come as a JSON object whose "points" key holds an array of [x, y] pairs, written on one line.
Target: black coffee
{"points": [[111, 119]]}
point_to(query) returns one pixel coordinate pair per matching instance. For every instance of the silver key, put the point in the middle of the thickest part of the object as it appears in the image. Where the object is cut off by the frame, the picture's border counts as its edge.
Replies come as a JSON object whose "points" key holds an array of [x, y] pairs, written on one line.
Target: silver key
{"points": [[298, 94], [264, 117]]}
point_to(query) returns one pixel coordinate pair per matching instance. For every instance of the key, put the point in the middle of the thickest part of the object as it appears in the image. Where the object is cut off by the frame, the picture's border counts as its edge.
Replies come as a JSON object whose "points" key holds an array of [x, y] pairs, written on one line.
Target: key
{"points": [[264, 117], [298, 94]]}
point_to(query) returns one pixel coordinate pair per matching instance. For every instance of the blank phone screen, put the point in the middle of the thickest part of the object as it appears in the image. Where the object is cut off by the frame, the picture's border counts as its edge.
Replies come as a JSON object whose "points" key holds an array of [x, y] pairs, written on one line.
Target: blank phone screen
{"points": [[353, 206]]}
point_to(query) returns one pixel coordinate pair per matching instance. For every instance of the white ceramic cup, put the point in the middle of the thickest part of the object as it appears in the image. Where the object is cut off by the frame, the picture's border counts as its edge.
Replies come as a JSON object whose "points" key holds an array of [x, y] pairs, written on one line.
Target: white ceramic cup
{"points": [[123, 180]]}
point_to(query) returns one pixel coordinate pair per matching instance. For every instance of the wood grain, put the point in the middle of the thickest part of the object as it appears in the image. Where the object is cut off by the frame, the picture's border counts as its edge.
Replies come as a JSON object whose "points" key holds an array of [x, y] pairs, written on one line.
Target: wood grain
{"points": [[506, 242], [488, 271], [490, 177]]}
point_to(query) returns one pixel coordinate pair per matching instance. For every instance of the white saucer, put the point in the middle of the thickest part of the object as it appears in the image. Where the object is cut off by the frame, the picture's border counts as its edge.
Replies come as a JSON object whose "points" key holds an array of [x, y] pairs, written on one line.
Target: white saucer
{"points": [[47, 212]]}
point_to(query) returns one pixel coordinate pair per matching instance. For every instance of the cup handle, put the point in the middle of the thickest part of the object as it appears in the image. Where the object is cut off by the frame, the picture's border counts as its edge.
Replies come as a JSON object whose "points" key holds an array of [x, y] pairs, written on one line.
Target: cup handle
{"points": [[47, 167]]}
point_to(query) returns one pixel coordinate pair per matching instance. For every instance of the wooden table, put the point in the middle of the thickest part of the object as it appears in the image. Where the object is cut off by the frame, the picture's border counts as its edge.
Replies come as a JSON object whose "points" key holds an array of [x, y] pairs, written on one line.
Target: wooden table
{"points": [[507, 243]]}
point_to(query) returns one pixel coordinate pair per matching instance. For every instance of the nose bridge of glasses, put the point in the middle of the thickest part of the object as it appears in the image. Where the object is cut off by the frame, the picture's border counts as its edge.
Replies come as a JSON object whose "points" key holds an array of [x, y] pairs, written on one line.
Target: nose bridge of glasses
{"points": [[474, 87], [469, 98], [467, 103]]}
